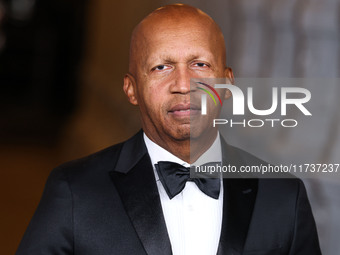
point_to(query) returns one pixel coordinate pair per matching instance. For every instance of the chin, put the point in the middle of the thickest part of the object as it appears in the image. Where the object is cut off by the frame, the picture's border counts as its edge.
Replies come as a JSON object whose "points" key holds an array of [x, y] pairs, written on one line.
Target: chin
{"points": [[181, 134]]}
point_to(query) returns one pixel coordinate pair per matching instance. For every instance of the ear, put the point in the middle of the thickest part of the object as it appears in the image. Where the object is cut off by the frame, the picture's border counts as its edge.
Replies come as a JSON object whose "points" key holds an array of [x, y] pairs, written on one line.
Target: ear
{"points": [[130, 89], [228, 73]]}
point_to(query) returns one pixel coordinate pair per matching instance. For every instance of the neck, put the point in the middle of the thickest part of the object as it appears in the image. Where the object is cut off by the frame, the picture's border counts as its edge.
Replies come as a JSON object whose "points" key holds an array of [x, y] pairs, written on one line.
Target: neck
{"points": [[189, 150]]}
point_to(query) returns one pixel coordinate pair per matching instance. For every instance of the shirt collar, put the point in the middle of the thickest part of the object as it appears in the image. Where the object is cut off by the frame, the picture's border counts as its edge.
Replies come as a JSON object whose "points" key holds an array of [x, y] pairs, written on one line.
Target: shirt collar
{"points": [[157, 153]]}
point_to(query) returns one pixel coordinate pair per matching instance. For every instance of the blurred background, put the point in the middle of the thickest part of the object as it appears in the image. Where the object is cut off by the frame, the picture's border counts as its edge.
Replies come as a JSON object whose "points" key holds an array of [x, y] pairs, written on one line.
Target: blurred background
{"points": [[62, 64]]}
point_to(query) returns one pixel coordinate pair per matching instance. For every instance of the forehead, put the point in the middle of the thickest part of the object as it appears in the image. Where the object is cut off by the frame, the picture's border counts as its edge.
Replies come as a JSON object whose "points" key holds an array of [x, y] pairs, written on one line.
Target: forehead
{"points": [[169, 38]]}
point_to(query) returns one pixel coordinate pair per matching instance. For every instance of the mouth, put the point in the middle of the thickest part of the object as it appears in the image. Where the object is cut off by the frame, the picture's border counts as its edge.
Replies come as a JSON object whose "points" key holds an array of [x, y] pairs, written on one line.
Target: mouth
{"points": [[185, 110]]}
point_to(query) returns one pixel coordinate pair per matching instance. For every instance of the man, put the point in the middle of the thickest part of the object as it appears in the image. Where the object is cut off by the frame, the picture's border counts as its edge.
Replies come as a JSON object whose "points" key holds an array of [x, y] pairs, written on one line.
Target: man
{"points": [[120, 201]]}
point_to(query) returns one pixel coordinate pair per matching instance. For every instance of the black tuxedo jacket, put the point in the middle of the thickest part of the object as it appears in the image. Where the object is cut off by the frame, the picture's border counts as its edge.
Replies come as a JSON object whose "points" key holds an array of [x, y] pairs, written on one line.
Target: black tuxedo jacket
{"points": [[108, 203]]}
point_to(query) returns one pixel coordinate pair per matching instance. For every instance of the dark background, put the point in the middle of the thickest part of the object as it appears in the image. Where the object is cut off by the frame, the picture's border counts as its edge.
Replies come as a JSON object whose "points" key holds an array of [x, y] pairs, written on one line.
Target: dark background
{"points": [[62, 64]]}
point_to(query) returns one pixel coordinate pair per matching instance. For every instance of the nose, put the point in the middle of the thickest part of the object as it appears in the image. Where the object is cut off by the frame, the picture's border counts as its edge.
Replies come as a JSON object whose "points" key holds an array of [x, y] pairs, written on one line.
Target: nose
{"points": [[181, 82]]}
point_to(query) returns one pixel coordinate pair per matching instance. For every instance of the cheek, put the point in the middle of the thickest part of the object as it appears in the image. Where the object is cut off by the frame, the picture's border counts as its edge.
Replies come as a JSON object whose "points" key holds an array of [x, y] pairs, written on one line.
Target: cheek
{"points": [[153, 102], [154, 96]]}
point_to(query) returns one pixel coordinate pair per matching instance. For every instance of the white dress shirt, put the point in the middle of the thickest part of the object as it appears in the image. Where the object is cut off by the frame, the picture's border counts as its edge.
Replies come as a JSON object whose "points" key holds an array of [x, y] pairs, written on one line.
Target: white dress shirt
{"points": [[193, 219]]}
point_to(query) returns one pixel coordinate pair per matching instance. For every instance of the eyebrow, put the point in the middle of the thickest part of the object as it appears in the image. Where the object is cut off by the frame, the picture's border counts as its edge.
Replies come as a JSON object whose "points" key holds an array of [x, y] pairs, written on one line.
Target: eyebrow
{"points": [[171, 60]]}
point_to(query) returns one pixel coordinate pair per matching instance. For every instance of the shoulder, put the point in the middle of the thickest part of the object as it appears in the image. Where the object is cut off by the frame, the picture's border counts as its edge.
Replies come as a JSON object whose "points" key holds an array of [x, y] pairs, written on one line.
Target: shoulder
{"points": [[93, 171], [272, 185], [83, 173], [104, 158], [251, 166], [283, 187]]}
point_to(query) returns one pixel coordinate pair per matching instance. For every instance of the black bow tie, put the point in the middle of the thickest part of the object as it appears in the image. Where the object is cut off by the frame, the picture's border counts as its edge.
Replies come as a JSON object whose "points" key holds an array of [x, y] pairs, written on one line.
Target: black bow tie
{"points": [[174, 177]]}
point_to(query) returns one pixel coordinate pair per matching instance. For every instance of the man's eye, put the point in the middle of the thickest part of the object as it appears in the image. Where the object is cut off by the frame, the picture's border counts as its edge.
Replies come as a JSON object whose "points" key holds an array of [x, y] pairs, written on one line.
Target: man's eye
{"points": [[161, 68], [200, 64]]}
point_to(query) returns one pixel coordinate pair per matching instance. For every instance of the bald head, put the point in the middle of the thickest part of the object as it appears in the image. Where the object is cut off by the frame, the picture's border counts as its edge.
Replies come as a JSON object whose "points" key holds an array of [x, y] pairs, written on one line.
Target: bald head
{"points": [[177, 19]]}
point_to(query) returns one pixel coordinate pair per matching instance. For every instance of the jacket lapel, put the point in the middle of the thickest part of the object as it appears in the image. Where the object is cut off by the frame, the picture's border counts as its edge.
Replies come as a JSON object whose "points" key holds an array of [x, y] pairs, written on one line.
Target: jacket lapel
{"points": [[238, 203], [135, 182]]}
